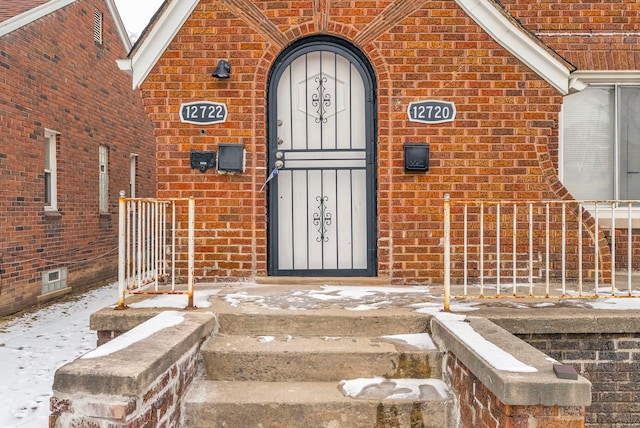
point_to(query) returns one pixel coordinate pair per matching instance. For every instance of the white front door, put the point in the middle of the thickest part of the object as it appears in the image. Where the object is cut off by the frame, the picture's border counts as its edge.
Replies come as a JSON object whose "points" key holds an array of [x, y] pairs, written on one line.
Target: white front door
{"points": [[321, 204]]}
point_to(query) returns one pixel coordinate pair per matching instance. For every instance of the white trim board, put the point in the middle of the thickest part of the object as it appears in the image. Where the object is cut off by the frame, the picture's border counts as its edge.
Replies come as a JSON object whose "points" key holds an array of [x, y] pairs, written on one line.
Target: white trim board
{"points": [[139, 64]]}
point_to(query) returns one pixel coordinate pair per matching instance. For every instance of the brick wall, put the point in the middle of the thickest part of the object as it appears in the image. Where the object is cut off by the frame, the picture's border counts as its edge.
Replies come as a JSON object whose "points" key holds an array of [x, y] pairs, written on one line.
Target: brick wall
{"points": [[611, 362], [622, 248], [480, 408], [503, 144], [159, 405], [54, 76], [593, 35]]}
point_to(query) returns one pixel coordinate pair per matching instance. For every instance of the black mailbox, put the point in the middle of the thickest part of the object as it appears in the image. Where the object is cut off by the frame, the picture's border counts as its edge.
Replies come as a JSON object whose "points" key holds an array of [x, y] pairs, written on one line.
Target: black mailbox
{"points": [[416, 157], [231, 157], [203, 160]]}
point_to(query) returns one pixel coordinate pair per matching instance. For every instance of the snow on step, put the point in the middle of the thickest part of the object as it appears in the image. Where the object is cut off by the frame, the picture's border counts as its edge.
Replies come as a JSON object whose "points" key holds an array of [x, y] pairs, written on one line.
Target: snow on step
{"points": [[309, 404]]}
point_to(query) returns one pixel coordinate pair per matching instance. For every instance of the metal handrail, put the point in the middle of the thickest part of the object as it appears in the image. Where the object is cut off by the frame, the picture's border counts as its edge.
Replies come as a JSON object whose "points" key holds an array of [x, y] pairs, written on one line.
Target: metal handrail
{"points": [[497, 226], [146, 235]]}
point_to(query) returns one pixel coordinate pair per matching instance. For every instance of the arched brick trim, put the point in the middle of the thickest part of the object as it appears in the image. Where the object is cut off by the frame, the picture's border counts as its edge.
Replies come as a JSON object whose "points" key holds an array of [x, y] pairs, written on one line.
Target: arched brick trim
{"points": [[260, 164], [258, 21], [385, 178], [385, 173]]}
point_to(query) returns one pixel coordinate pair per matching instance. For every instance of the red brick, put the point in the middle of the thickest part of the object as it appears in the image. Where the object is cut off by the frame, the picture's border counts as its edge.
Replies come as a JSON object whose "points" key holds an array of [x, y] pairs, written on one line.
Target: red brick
{"points": [[506, 125], [57, 78]]}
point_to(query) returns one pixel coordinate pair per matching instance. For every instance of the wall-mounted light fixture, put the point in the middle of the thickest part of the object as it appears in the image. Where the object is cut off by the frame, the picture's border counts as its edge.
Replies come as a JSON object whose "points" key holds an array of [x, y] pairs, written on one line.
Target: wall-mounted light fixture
{"points": [[222, 70]]}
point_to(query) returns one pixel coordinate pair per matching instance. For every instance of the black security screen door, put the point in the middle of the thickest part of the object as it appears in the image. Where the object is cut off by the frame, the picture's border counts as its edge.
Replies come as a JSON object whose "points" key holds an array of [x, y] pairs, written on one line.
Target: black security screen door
{"points": [[321, 201]]}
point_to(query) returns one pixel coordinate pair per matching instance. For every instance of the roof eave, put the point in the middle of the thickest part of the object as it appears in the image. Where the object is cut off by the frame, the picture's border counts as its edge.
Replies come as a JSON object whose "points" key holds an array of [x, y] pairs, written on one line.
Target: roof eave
{"points": [[503, 30], [122, 31], [49, 7], [157, 39], [32, 15], [581, 79]]}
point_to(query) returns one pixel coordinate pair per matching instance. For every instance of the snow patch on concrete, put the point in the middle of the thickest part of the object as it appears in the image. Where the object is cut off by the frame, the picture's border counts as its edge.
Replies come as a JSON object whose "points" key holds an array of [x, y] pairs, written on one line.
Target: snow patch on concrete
{"points": [[495, 356], [617, 304], [420, 340], [379, 388], [177, 301], [161, 321]]}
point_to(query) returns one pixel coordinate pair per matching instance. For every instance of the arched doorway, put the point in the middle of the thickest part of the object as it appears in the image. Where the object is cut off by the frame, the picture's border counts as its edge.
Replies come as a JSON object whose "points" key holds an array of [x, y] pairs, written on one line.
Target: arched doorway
{"points": [[321, 201]]}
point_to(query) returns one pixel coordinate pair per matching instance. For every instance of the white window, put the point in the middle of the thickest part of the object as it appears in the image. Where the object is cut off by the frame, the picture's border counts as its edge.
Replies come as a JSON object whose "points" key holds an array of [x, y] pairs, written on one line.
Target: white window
{"points": [[97, 27], [50, 171], [104, 178], [600, 156], [133, 159]]}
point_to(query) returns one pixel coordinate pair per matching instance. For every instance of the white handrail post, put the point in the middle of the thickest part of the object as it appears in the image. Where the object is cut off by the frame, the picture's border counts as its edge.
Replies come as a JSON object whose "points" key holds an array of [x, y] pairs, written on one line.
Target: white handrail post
{"points": [[191, 251], [530, 250], [156, 242], [580, 219], [564, 249], [613, 248], [629, 248], [173, 245], [596, 255], [447, 253], [546, 252], [498, 249], [121, 249], [138, 268], [513, 250], [481, 249], [465, 252]]}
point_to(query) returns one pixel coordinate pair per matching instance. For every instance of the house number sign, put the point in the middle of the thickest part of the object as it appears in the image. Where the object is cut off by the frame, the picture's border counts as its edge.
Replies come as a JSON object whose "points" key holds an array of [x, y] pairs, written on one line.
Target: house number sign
{"points": [[203, 112], [431, 111]]}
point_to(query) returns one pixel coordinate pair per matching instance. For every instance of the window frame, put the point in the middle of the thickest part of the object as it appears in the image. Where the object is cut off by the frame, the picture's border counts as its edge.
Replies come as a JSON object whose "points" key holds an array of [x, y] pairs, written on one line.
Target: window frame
{"points": [[103, 178], [133, 170], [51, 160], [615, 79]]}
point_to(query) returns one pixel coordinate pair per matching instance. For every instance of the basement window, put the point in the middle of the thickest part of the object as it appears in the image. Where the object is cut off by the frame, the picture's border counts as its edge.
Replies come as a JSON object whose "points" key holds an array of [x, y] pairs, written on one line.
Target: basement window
{"points": [[97, 27], [54, 280]]}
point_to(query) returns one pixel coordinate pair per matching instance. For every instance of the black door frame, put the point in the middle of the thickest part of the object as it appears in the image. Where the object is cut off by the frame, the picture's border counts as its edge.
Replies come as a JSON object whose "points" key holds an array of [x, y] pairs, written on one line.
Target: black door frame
{"points": [[362, 64]]}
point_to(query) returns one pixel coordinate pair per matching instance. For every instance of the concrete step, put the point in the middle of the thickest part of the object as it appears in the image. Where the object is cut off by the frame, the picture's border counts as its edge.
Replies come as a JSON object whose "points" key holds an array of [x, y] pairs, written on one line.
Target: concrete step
{"points": [[248, 320], [214, 404], [275, 367], [328, 358]]}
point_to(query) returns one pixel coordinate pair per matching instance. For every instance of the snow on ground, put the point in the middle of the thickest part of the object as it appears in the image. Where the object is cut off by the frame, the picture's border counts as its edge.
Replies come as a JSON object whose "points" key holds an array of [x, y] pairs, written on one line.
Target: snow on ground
{"points": [[34, 345]]}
